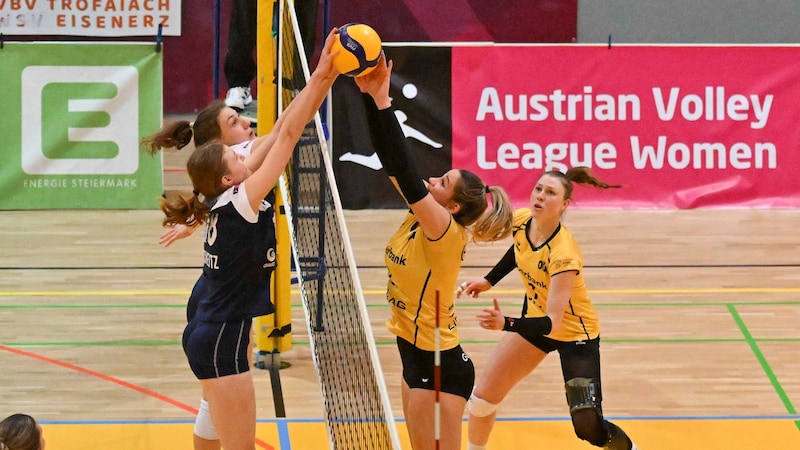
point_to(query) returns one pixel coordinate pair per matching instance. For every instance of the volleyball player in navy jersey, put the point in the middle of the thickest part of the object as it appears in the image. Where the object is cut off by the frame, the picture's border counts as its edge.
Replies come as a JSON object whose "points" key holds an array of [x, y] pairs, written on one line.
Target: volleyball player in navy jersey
{"points": [[557, 315], [232, 196], [423, 258], [215, 122]]}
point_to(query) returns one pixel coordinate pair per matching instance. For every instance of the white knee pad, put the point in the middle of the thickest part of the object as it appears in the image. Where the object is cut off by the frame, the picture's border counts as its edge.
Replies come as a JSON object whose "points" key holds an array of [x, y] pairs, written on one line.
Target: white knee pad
{"points": [[479, 407], [203, 427]]}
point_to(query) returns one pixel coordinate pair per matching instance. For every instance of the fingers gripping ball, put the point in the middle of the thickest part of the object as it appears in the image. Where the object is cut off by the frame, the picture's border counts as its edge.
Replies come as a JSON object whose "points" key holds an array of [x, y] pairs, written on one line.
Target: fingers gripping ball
{"points": [[359, 48]]}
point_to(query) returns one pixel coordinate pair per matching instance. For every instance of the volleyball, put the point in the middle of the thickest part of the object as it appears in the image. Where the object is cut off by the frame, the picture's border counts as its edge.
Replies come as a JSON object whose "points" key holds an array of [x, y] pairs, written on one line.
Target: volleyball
{"points": [[359, 48]]}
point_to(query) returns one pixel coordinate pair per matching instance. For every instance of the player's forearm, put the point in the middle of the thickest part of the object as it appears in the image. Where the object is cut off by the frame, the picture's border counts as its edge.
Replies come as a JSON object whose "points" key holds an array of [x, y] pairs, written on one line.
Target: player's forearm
{"points": [[528, 326], [503, 267]]}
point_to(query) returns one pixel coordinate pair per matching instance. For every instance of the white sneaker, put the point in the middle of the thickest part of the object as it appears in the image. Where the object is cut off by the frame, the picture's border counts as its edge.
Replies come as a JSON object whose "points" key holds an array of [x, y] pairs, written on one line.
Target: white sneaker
{"points": [[238, 97]]}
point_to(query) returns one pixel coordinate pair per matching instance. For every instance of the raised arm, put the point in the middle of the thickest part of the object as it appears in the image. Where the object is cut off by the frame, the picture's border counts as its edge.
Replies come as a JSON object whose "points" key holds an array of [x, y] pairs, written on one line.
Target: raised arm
{"points": [[302, 109], [390, 144], [262, 144]]}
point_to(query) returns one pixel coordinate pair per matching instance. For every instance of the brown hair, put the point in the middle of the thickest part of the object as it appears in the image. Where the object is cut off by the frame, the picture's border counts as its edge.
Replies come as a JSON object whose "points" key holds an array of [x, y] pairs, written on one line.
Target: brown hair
{"points": [[580, 175], [471, 193], [204, 129], [19, 432], [206, 169]]}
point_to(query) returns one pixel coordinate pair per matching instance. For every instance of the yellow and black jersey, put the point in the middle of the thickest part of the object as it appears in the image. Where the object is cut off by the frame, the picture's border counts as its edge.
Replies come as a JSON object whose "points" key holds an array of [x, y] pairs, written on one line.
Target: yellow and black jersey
{"points": [[560, 253], [419, 267]]}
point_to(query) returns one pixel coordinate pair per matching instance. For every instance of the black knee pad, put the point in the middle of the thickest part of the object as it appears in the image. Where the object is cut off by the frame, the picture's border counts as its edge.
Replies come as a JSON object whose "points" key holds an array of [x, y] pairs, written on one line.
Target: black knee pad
{"points": [[589, 427], [582, 394], [586, 411]]}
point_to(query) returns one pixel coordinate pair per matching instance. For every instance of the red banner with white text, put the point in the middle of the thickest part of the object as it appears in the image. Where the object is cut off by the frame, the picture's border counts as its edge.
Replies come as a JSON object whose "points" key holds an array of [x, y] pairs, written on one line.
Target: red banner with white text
{"points": [[677, 126]]}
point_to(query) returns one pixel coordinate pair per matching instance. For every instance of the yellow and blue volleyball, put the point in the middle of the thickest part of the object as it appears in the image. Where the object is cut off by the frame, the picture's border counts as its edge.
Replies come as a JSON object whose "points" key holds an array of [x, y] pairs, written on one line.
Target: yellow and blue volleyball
{"points": [[359, 49]]}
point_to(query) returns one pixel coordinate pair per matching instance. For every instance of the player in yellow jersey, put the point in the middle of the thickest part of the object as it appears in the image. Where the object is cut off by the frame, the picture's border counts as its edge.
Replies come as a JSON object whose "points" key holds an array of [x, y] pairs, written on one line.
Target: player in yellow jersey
{"points": [[557, 315], [423, 257]]}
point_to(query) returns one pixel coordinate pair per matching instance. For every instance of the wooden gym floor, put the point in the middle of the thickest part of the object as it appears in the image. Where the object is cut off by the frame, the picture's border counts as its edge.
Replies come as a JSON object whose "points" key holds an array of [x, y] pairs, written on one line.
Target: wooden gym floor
{"points": [[699, 311]]}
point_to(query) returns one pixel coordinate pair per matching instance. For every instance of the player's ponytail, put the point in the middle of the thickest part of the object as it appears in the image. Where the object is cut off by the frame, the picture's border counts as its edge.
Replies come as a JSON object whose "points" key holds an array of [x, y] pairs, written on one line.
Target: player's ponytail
{"points": [[206, 169], [179, 134], [175, 135], [579, 175], [471, 194]]}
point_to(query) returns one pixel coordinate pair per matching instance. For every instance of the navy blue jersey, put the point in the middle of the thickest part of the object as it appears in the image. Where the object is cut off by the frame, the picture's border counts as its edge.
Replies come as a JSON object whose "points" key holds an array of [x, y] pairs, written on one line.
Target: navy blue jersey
{"points": [[239, 259]]}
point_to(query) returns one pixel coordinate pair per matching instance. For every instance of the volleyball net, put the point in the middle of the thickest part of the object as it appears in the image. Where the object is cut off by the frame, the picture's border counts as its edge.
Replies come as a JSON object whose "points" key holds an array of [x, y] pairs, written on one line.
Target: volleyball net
{"points": [[356, 401]]}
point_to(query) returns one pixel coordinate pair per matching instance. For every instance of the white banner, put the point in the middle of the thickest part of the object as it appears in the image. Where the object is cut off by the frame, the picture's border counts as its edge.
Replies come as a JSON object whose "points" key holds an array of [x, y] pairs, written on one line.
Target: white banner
{"points": [[90, 17]]}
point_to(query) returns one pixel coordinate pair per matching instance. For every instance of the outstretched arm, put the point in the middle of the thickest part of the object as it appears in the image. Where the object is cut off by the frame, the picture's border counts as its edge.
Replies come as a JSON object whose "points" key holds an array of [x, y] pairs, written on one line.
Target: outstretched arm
{"points": [[301, 111], [262, 144], [390, 145]]}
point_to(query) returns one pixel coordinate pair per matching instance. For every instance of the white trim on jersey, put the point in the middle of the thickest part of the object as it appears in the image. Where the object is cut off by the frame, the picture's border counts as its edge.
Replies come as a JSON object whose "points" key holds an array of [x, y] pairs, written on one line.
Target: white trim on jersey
{"points": [[237, 196], [242, 148]]}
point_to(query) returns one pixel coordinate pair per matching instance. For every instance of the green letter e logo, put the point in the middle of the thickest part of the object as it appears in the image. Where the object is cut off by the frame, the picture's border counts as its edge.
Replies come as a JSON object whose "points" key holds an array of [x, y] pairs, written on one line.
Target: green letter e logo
{"points": [[80, 120]]}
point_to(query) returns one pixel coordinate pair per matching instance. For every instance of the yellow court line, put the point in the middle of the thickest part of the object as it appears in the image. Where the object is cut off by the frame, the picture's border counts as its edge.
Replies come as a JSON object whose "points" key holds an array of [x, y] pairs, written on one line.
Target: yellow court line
{"points": [[381, 291], [745, 434]]}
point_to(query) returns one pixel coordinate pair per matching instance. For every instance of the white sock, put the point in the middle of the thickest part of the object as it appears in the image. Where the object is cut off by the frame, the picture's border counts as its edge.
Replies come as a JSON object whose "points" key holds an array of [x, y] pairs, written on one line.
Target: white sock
{"points": [[472, 446]]}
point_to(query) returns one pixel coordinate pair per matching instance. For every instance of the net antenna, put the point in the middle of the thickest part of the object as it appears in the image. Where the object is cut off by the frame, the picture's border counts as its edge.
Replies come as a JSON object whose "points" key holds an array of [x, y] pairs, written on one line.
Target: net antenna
{"points": [[437, 377], [356, 401]]}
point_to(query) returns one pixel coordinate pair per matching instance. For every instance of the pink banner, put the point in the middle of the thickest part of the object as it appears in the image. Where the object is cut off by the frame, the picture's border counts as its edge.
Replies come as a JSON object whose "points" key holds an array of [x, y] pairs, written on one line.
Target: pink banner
{"points": [[677, 126]]}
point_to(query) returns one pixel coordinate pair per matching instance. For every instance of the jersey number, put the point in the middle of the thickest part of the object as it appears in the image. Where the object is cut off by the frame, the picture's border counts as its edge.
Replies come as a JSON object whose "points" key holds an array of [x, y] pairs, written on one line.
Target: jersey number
{"points": [[211, 229]]}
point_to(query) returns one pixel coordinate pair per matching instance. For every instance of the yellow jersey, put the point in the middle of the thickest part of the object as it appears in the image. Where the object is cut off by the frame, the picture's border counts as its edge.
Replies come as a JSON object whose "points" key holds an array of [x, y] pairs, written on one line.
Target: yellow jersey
{"points": [[538, 265], [418, 268]]}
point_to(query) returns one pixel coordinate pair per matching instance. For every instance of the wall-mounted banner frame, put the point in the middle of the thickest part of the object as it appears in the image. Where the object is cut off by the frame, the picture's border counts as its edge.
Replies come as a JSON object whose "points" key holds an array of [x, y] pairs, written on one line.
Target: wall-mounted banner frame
{"points": [[75, 114]]}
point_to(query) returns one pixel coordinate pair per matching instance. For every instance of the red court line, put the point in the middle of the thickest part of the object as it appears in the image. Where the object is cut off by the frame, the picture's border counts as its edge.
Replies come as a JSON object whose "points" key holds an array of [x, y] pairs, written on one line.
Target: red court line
{"points": [[114, 380]]}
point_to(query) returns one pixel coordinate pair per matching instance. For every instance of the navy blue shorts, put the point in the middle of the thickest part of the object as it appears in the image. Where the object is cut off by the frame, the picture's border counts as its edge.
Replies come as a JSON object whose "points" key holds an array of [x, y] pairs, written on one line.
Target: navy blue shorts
{"points": [[457, 370], [217, 349]]}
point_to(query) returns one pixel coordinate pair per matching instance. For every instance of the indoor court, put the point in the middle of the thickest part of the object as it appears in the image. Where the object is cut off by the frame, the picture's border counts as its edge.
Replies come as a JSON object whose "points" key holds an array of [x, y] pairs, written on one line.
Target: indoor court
{"points": [[699, 311], [699, 308]]}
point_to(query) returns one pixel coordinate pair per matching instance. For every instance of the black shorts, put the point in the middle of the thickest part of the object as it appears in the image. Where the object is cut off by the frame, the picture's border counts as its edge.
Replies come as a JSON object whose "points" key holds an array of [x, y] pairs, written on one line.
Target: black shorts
{"points": [[456, 369], [217, 349], [578, 358]]}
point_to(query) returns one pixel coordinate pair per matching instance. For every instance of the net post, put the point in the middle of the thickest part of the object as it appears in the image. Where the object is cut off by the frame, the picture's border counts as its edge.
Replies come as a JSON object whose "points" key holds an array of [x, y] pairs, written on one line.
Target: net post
{"points": [[273, 332]]}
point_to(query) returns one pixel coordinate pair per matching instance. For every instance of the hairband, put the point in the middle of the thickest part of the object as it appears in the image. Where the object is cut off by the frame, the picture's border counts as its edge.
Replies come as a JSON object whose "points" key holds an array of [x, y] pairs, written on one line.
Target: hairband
{"points": [[196, 194], [486, 189], [185, 140]]}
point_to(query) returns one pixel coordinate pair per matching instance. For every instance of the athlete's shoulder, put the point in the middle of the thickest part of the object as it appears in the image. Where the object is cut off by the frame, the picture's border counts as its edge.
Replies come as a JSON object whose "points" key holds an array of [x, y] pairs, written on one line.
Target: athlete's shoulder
{"points": [[243, 148], [565, 247], [566, 235], [521, 216]]}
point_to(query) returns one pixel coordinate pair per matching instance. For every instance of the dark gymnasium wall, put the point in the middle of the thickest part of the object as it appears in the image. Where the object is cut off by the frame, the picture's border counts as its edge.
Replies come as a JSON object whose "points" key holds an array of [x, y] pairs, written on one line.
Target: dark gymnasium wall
{"points": [[189, 58]]}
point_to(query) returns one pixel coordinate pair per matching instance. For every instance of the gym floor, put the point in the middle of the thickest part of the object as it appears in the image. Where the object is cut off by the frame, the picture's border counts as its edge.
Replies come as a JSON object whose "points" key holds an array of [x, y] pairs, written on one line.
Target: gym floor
{"points": [[699, 311]]}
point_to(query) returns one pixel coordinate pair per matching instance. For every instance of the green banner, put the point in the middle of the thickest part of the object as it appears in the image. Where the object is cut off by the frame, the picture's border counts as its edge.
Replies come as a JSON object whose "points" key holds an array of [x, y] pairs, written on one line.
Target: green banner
{"points": [[73, 117]]}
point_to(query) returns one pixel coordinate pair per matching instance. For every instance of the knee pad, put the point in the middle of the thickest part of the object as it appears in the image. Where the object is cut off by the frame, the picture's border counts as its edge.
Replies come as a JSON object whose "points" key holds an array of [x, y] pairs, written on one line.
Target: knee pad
{"points": [[203, 427], [479, 407], [586, 411], [582, 394]]}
